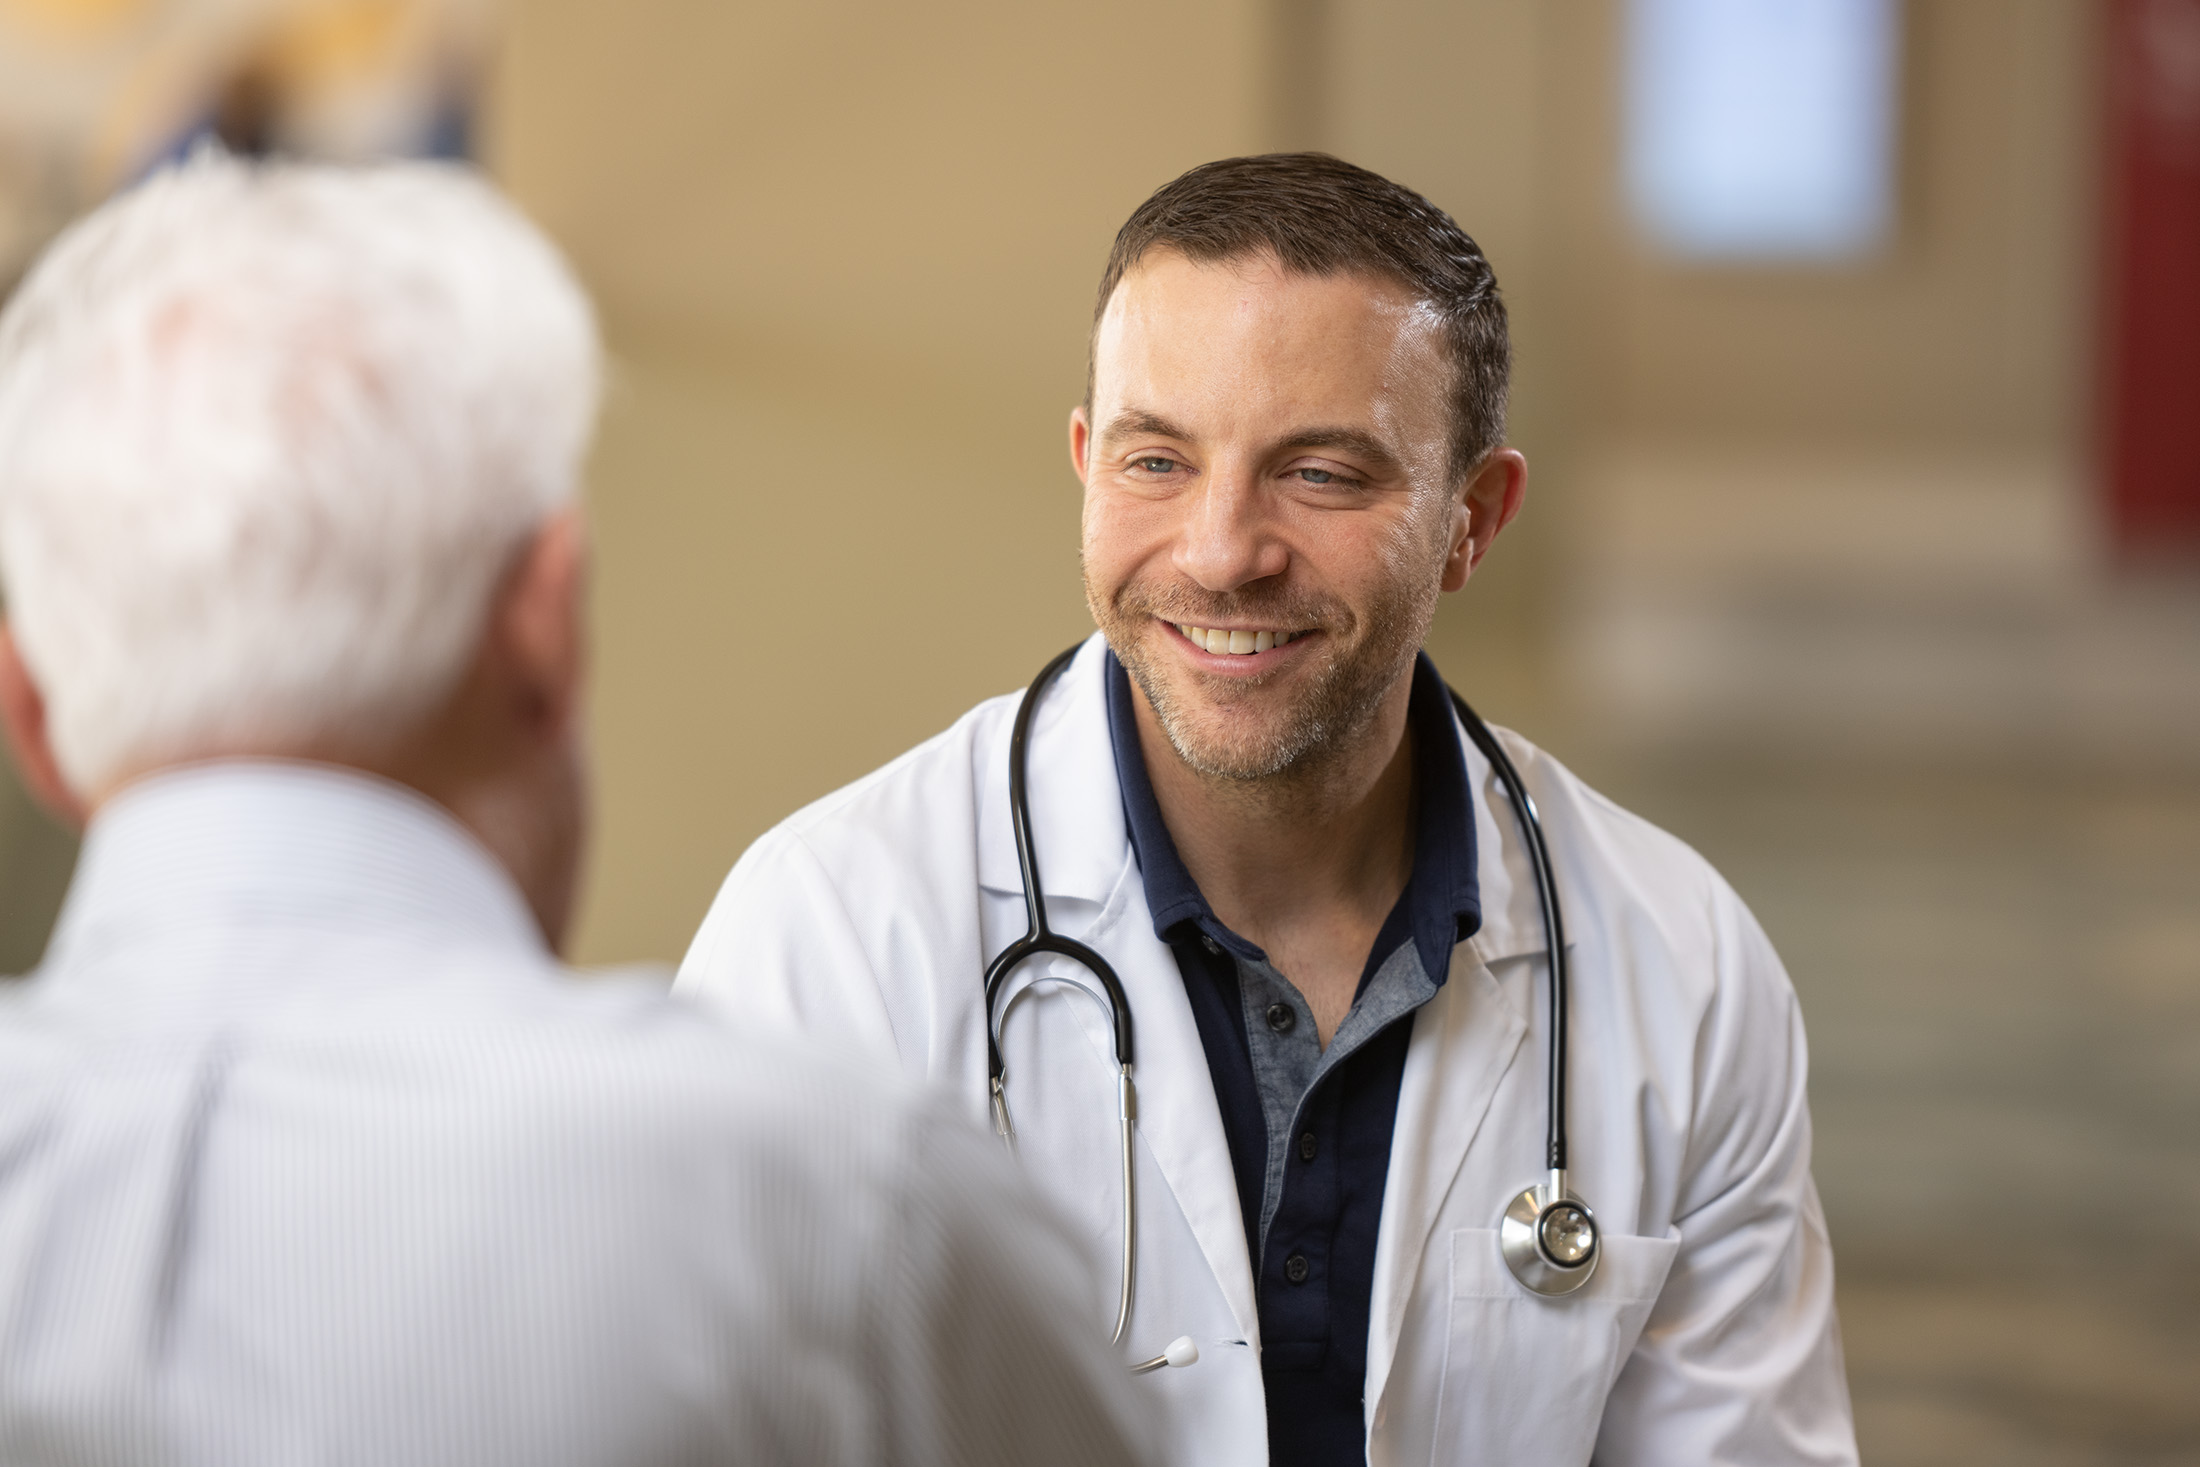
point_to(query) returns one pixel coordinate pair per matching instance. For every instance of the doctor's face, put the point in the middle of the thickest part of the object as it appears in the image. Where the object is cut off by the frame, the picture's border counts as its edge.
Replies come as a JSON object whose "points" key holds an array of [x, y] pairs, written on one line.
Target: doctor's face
{"points": [[1269, 509]]}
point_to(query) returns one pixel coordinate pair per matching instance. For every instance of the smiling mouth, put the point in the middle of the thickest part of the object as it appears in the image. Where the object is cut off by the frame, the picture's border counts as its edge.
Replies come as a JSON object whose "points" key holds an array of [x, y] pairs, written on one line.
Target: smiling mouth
{"points": [[1239, 643]]}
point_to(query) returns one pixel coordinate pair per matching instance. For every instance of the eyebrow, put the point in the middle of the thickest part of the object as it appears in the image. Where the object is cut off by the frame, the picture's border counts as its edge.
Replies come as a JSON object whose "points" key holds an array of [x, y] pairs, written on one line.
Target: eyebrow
{"points": [[1140, 422], [1353, 440]]}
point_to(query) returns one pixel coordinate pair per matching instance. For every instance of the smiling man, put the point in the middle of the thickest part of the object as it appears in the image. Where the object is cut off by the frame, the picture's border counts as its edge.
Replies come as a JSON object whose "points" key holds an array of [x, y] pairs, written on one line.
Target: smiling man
{"points": [[1306, 982]]}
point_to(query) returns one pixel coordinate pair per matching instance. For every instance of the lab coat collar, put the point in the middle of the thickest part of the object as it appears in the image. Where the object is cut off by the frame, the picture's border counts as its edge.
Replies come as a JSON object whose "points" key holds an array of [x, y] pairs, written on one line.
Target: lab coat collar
{"points": [[1512, 916], [1076, 809], [1074, 787], [1442, 901]]}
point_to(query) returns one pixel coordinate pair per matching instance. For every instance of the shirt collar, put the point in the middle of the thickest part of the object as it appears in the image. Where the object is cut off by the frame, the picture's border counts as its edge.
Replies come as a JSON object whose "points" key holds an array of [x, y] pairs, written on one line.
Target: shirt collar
{"points": [[1441, 905], [248, 844]]}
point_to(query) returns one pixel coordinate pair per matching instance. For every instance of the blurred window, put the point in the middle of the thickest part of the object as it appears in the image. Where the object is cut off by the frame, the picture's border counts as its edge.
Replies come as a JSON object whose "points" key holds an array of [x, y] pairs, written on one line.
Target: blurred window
{"points": [[1762, 129]]}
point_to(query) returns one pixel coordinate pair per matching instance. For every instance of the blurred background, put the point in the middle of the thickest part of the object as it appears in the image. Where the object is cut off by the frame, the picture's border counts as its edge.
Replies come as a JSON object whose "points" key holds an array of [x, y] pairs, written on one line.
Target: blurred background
{"points": [[1859, 371]]}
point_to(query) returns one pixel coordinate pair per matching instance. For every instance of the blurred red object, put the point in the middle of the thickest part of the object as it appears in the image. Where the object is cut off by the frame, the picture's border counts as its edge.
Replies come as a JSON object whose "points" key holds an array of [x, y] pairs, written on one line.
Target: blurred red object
{"points": [[2153, 257]]}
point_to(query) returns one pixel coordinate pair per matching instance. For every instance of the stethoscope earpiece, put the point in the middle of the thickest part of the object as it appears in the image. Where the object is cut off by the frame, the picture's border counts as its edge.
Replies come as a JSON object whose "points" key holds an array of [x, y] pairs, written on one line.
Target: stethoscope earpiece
{"points": [[1181, 1352], [1549, 1238]]}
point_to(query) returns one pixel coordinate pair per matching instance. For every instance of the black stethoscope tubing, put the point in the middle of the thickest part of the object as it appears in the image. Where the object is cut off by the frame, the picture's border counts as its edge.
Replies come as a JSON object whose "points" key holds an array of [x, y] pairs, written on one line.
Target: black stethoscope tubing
{"points": [[1039, 938], [1554, 927], [1523, 1239]]}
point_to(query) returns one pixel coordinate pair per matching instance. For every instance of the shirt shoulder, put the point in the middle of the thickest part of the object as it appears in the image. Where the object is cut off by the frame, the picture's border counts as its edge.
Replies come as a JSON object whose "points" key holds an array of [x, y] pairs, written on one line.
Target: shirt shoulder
{"points": [[617, 1061]]}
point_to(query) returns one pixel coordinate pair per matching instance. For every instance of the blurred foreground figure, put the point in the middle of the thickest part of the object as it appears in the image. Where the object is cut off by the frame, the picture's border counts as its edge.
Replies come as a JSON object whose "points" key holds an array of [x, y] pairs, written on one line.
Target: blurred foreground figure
{"points": [[309, 1151]]}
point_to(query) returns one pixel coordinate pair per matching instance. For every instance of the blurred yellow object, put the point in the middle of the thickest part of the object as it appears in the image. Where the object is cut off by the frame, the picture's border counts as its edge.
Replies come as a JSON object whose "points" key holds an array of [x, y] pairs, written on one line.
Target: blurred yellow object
{"points": [[332, 45], [71, 22], [94, 92]]}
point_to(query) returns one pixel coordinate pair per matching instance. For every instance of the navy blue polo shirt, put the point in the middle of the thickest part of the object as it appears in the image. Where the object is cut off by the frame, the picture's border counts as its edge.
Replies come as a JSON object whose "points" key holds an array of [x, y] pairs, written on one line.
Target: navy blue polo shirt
{"points": [[1309, 1129]]}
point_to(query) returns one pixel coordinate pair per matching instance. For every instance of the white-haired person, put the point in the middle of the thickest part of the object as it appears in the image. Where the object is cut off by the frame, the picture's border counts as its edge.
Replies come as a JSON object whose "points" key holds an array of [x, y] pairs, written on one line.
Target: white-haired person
{"points": [[309, 1149]]}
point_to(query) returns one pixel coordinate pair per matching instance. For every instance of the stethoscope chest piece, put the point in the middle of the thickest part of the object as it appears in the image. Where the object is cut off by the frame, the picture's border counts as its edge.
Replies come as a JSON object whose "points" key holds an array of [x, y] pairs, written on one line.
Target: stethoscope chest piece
{"points": [[1549, 1238]]}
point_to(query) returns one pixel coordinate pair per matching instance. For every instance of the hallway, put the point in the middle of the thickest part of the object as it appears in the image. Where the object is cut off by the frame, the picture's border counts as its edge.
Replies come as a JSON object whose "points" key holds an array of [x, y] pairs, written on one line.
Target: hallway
{"points": [[2001, 973]]}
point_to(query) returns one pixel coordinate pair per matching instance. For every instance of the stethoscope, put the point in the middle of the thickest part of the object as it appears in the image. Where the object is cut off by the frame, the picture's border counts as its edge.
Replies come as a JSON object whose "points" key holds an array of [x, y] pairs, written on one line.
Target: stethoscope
{"points": [[1548, 1236]]}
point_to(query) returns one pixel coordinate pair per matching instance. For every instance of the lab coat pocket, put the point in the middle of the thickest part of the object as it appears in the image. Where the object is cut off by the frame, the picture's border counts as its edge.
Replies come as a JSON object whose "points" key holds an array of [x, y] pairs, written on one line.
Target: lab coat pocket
{"points": [[1525, 1376]]}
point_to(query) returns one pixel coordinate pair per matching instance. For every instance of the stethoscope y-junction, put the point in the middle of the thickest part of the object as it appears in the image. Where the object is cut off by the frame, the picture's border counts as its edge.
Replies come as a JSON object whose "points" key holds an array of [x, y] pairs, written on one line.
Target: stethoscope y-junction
{"points": [[1548, 1235]]}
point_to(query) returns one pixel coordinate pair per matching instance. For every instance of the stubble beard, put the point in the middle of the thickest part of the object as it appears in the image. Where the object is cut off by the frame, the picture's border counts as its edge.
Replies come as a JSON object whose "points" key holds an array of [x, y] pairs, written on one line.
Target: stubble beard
{"points": [[1362, 659]]}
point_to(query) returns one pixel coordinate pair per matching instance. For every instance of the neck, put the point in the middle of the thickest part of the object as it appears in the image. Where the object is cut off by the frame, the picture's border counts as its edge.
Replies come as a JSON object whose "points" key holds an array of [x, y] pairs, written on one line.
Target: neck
{"points": [[518, 785], [529, 819], [1326, 846], [528, 807]]}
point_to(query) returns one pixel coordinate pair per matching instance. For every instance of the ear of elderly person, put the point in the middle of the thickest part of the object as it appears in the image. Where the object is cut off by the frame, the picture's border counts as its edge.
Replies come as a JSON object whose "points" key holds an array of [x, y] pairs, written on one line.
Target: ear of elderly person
{"points": [[309, 1149]]}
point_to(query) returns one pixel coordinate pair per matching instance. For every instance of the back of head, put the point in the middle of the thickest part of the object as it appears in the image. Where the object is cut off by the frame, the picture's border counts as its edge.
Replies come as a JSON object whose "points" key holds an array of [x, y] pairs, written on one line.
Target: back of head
{"points": [[269, 436]]}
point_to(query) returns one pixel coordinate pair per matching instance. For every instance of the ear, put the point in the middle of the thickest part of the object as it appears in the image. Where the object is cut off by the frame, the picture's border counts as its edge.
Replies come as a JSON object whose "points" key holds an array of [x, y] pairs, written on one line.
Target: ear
{"points": [[540, 623], [1080, 442], [23, 712], [1487, 502]]}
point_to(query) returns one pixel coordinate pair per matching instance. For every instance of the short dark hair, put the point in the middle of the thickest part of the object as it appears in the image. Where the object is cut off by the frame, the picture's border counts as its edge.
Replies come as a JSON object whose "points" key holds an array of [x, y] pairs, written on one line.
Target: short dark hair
{"points": [[1320, 215]]}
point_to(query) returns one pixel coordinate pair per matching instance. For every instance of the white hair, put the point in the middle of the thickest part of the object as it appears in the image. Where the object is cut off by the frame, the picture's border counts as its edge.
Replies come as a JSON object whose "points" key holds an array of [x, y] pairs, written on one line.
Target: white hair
{"points": [[270, 436]]}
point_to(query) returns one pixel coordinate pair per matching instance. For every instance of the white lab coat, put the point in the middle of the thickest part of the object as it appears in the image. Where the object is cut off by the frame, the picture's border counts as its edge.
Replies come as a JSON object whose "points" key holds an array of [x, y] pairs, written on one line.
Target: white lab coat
{"points": [[1707, 1335]]}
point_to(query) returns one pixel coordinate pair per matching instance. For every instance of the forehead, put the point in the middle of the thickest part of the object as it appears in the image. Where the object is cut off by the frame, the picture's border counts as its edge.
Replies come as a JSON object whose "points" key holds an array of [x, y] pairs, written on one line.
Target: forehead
{"points": [[1252, 331]]}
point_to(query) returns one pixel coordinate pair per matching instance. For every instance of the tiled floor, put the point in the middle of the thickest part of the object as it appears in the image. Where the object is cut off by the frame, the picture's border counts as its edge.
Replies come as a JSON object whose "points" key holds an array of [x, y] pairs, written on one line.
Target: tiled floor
{"points": [[2001, 973], [2049, 1359]]}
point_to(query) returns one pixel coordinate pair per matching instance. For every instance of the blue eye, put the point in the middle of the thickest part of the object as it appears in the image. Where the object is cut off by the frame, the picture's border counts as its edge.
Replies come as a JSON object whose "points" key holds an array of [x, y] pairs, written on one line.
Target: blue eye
{"points": [[1154, 465], [1317, 476]]}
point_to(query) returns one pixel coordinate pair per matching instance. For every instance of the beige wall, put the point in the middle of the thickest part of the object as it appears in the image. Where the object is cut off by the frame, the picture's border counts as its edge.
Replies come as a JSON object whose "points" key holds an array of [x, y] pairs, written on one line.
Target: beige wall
{"points": [[1972, 329], [1852, 508], [845, 254]]}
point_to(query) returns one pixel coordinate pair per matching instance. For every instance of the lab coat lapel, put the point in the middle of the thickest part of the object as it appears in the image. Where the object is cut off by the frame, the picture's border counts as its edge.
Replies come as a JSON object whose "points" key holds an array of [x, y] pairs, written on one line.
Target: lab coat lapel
{"points": [[1465, 1040], [1083, 845], [1178, 1117]]}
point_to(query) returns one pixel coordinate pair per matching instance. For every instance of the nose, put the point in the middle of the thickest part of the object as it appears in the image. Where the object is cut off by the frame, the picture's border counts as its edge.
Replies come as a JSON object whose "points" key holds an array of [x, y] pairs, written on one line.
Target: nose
{"points": [[1227, 540]]}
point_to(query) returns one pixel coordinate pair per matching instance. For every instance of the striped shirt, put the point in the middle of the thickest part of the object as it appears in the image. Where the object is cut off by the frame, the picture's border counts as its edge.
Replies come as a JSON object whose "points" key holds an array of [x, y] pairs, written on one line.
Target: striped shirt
{"points": [[310, 1153]]}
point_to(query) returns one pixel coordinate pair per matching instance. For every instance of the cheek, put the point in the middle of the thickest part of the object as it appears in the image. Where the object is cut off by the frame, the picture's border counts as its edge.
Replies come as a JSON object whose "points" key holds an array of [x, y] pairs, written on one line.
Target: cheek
{"points": [[1122, 534], [1096, 544], [1424, 535], [1372, 558]]}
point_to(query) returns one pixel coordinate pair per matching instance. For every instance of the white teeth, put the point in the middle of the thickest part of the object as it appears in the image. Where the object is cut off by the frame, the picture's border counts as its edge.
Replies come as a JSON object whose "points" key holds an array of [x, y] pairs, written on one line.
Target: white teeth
{"points": [[1238, 644]]}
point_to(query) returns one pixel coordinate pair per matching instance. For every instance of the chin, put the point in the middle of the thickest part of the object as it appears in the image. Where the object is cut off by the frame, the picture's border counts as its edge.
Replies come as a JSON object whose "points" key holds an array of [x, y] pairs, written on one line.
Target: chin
{"points": [[1237, 744]]}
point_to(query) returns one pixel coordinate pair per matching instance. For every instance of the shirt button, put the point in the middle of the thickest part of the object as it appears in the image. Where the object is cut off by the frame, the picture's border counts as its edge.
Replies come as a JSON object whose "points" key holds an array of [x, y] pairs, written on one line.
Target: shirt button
{"points": [[1211, 945], [1308, 1146], [1282, 1017], [1296, 1268]]}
